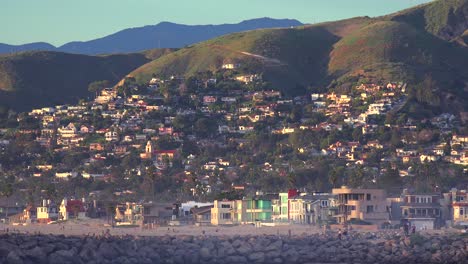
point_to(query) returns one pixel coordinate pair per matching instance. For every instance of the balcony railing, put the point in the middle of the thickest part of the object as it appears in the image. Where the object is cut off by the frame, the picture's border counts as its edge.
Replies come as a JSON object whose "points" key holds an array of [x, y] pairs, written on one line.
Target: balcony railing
{"points": [[421, 216]]}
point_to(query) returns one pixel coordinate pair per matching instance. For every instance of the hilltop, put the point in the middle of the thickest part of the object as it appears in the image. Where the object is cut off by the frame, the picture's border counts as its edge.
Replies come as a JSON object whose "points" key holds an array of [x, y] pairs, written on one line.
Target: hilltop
{"points": [[162, 35]]}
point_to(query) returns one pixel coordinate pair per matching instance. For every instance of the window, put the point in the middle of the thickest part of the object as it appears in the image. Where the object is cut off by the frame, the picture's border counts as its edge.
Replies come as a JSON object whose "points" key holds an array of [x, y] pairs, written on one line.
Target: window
{"points": [[226, 216], [225, 206], [368, 197], [370, 209], [461, 211]]}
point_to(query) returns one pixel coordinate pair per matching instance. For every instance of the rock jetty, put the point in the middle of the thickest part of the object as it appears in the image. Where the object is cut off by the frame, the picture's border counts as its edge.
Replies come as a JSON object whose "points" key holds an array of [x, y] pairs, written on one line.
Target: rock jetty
{"points": [[324, 248]]}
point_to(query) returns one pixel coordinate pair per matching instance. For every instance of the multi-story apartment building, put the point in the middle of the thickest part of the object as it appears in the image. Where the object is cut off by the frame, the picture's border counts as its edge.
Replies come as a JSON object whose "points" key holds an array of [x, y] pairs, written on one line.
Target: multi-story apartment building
{"points": [[368, 205], [457, 203], [422, 210], [241, 211]]}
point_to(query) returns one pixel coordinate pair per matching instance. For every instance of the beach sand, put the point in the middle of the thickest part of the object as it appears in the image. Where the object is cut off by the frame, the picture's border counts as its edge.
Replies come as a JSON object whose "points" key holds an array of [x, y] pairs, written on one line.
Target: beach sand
{"points": [[98, 227]]}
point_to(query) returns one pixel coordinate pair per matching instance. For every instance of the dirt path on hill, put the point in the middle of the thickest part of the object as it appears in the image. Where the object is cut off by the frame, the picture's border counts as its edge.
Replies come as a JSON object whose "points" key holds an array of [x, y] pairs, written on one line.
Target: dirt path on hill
{"points": [[266, 60]]}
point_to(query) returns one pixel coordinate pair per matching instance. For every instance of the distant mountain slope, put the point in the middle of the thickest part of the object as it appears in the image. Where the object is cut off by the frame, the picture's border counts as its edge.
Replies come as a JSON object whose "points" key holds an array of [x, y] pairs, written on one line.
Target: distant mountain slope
{"points": [[162, 35], [35, 79], [4, 48]]}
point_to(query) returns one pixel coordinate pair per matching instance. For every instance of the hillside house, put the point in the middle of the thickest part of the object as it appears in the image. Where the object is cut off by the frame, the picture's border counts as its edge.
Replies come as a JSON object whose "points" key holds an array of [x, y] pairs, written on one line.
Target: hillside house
{"points": [[68, 131], [209, 99], [111, 136], [248, 78], [230, 66], [96, 147]]}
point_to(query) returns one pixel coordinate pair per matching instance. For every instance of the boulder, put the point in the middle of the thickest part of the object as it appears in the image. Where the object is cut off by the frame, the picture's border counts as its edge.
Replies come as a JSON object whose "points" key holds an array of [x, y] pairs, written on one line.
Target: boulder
{"points": [[63, 256], [244, 249], [107, 251], [15, 257], [256, 257], [36, 254], [6, 247], [235, 259], [205, 253]]}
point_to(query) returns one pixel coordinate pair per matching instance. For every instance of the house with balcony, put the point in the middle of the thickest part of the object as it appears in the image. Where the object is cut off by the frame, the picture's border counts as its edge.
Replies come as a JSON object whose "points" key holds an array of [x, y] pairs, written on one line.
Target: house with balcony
{"points": [[355, 205], [422, 210], [222, 212], [201, 215], [158, 213], [255, 209], [457, 203], [246, 211]]}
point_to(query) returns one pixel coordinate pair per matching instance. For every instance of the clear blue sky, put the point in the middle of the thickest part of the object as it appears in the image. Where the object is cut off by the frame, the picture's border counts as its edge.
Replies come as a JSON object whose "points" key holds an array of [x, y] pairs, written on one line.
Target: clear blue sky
{"points": [[61, 21]]}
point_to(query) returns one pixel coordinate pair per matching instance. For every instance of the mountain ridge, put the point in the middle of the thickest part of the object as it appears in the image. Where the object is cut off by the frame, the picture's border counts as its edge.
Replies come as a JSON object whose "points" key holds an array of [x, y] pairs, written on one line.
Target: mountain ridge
{"points": [[162, 35]]}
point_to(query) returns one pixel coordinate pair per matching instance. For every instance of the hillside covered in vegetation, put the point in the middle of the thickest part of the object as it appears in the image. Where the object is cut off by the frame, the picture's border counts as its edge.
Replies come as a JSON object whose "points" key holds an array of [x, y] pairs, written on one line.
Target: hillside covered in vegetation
{"points": [[35, 79], [425, 42]]}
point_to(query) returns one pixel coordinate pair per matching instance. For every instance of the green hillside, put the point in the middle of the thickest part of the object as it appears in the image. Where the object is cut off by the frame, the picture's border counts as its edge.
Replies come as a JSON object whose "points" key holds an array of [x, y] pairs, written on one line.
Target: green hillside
{"points": [[447, 19], [34, 79], [398, 47], [290, 56], [396, 50]]}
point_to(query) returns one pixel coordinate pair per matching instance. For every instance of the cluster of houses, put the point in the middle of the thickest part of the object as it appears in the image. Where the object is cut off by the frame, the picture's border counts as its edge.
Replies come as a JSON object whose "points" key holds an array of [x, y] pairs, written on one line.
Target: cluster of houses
{"points": [[112, 126], [131, 128], [354, 206]]}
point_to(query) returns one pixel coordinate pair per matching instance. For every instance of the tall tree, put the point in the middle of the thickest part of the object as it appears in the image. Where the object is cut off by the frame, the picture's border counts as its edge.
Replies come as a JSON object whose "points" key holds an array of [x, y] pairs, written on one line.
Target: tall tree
{"points": [[6, 191], [98, 86]]}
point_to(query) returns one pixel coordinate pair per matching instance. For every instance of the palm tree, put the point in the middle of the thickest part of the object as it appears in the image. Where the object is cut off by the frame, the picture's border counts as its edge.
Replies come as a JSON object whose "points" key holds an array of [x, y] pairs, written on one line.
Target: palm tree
{"points": [[7, 191]]}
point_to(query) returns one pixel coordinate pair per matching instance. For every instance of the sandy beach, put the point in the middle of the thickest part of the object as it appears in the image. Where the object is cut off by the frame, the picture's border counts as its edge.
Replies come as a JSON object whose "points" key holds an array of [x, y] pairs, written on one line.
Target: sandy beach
{"points": [[98, 227]]}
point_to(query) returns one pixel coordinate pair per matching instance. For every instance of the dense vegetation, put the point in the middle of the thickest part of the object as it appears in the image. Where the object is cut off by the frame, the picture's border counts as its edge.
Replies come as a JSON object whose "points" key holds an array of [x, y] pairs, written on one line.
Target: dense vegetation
{"points": [[37, 79]]}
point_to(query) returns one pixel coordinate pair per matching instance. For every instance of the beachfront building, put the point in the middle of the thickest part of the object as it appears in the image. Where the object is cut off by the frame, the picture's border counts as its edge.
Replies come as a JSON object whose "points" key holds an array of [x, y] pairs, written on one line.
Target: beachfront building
{"points": [[356, 205], [252, 210], [312, 209], [321, 208], [280, 207], [222, 212], [158, 213], [246, 211], [457, 203], [47, 212], [72, 209], [202, 215], [422, 210]]}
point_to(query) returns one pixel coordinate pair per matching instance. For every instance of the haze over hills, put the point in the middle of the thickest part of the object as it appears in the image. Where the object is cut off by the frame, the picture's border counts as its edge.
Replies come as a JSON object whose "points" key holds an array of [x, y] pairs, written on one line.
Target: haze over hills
{"points": [[409, 46], [162, 35]]}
